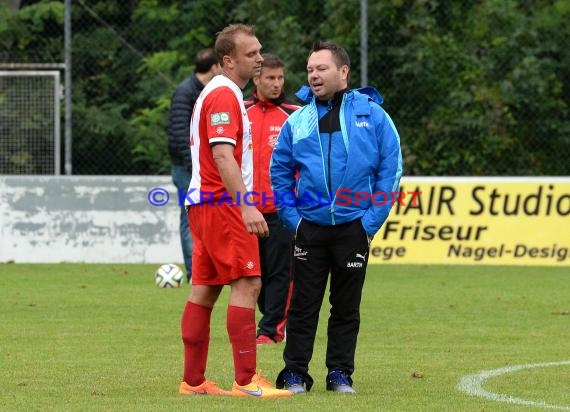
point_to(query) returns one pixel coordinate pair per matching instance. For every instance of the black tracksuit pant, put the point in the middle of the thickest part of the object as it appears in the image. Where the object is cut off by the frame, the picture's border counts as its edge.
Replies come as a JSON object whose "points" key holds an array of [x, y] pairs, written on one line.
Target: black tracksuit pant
{"points": [[275, 255], [341, 250]]}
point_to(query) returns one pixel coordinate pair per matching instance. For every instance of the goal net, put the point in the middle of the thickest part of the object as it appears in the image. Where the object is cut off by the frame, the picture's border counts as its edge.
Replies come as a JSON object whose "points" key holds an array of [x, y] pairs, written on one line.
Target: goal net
{"points": [[30, 122]]}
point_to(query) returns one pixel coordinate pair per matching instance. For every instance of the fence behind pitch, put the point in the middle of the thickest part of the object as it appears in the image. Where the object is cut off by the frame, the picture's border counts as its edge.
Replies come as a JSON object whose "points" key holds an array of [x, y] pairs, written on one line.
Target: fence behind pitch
{"points": [[30, 122]]}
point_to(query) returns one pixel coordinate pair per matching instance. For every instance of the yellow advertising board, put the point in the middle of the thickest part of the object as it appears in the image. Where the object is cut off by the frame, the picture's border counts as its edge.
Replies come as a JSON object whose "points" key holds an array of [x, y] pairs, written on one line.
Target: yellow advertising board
{"points": [[477, 220]]}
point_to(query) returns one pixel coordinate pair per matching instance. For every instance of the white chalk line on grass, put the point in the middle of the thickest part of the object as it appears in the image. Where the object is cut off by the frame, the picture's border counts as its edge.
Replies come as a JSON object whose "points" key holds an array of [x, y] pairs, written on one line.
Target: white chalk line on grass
{"points": [[473, 385]]}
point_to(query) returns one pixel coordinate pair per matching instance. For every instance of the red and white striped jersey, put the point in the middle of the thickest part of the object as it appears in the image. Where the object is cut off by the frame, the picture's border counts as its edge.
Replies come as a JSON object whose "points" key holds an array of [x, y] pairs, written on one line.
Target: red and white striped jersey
{"points": [[219, 116]]}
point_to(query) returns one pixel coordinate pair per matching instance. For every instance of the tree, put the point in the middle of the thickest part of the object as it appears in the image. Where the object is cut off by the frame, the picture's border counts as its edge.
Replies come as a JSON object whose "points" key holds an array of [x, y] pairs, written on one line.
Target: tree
{"points": [[475, 88]]}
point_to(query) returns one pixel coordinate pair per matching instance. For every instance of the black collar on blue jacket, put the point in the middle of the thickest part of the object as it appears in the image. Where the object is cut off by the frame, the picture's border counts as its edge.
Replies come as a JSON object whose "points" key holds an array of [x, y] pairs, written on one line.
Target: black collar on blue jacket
{"points": [[335, 101]]}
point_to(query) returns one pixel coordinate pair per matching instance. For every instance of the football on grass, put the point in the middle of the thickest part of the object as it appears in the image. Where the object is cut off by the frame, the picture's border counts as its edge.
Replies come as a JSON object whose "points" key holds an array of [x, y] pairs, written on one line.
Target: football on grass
{"points": [[169, 276]]}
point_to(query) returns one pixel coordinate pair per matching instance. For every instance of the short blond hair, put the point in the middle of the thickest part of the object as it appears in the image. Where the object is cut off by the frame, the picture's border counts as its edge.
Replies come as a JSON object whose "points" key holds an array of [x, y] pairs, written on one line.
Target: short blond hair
{"points": [[225, 41]]}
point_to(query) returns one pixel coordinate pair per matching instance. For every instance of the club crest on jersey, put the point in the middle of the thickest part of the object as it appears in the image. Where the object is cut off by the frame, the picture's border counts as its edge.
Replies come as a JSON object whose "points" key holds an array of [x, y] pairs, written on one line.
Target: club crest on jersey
{"points": [[272, 140], [219, 118]]}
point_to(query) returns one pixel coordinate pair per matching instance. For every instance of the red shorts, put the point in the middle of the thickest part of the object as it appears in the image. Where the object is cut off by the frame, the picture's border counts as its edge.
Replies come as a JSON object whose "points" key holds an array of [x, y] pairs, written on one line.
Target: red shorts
{"points": [[223, 249]]}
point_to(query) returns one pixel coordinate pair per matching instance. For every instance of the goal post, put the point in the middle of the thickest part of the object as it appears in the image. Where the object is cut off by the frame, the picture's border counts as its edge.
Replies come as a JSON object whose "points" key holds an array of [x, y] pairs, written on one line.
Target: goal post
{"points": [[30, 122]]}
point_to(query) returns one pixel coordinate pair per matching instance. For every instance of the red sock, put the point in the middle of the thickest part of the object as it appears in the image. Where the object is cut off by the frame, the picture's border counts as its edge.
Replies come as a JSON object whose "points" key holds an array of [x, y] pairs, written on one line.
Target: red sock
{"points": [[196, 338], [241, 330]]}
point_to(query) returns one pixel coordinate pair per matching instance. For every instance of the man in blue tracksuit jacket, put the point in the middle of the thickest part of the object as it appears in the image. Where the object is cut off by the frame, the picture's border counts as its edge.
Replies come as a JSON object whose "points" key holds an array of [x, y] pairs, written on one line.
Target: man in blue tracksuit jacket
{"points": [[335, 173]]}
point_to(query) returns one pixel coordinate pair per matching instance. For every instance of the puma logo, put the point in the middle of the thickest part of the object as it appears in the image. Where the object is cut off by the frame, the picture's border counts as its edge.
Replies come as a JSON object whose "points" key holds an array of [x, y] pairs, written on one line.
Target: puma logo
{"points": [[363, 257]]}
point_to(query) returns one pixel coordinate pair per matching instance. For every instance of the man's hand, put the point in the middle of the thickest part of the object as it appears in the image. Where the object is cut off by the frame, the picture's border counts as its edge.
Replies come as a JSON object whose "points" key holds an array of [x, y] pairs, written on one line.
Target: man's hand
{"points": [[254, 221], [230, 173]]}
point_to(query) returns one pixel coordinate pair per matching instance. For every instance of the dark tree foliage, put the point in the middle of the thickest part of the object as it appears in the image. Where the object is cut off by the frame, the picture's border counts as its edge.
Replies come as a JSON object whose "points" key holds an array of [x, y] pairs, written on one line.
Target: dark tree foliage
{"points": [[474, 87]]}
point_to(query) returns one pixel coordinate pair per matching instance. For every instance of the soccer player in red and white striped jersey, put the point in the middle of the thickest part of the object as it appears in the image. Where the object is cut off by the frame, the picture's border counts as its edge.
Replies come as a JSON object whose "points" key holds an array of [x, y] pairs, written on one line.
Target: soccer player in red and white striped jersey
{"points": [[224, 224]]}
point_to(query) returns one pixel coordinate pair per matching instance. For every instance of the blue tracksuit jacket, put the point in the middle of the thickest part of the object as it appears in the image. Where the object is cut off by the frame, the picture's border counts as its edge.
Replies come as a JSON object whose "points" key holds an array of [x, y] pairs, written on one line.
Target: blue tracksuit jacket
{"points": [[370, 170]]}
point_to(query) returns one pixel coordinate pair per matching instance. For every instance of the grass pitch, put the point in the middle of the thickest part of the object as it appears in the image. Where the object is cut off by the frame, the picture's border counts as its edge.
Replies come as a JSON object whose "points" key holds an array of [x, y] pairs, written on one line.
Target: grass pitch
{"points": [[103, 338]]}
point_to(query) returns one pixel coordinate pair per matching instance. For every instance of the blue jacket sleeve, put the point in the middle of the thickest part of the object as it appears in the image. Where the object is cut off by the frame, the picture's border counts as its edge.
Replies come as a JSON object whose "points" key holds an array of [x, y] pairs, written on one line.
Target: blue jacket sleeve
{"points": [[387, 176], [282, 173]]}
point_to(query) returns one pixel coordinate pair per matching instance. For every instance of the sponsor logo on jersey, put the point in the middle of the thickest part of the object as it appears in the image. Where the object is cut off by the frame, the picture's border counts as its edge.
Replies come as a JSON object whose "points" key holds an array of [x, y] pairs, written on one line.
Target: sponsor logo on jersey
{"points": [[219, 118]]}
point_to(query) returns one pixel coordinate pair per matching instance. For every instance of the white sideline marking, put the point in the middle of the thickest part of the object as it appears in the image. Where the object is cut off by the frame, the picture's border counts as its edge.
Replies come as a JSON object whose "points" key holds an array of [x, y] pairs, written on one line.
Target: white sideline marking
{"points": [[472, 385]]}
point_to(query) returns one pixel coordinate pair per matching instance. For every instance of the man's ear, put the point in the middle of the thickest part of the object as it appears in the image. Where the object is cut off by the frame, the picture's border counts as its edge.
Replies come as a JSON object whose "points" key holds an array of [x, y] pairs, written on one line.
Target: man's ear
{"points": [[228, 62], [344, 71]]}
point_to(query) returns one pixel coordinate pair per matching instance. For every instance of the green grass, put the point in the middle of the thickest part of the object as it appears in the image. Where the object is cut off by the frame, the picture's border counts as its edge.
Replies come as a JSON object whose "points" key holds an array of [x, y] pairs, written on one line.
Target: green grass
{"points": [[104, 338]]}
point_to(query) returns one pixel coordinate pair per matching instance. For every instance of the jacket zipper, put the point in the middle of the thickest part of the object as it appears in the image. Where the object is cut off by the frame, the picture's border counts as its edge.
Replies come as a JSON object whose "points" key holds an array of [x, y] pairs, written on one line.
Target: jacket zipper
{"points": [[331, 208], [259, 155]]}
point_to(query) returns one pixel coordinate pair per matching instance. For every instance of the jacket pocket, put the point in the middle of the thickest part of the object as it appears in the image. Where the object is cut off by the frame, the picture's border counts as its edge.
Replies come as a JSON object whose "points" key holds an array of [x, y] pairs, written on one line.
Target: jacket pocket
{"points": [[298, 230], [367, 238]]}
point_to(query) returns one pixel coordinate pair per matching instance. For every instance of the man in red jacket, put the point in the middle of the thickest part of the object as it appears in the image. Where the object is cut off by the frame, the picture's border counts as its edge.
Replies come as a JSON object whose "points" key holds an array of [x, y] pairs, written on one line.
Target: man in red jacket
{"points": [[267, 111]]}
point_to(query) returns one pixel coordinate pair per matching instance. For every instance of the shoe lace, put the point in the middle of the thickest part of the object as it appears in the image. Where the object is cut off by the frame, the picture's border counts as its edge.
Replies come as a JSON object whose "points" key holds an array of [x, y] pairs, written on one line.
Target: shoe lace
{"points": [[292, 378], [339, 377]]}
